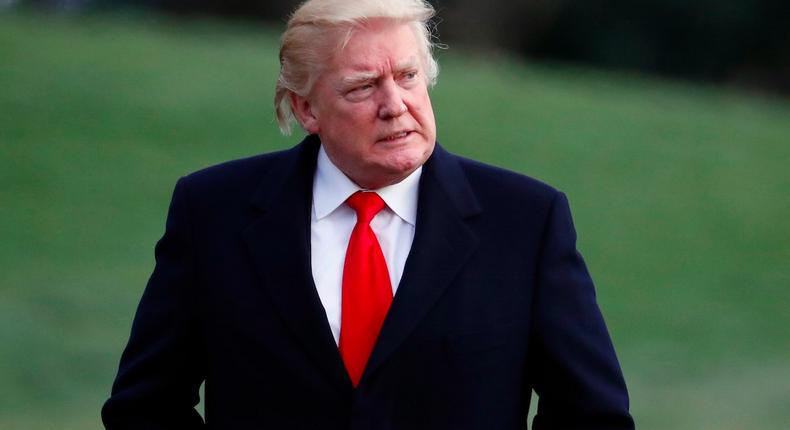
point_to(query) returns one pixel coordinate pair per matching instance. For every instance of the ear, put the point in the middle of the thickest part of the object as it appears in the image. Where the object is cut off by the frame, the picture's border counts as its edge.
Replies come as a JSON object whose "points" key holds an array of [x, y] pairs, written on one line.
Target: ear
{"points": [[303, 112]]}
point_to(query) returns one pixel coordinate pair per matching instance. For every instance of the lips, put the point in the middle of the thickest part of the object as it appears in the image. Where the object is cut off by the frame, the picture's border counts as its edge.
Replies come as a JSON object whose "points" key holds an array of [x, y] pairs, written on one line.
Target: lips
{"points": [[395, 136]]}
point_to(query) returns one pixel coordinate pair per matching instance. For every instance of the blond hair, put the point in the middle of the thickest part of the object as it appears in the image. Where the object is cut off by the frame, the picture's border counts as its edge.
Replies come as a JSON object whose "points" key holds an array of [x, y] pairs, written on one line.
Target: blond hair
{"points": [[320, 27]]}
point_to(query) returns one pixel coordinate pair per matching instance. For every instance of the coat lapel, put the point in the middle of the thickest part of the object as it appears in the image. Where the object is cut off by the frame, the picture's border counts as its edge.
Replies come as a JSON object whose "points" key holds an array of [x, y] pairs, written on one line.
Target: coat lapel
{"points": [[442, 244], [279, 242]]}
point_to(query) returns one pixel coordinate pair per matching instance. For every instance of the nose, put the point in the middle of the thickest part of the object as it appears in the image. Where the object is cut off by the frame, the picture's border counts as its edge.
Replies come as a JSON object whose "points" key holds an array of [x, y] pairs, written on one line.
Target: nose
{"points": [[391, 104]]}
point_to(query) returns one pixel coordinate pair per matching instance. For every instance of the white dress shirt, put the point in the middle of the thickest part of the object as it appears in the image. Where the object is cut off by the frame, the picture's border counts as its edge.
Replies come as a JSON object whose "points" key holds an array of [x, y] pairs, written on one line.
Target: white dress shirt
{"points": [[333, 220]]}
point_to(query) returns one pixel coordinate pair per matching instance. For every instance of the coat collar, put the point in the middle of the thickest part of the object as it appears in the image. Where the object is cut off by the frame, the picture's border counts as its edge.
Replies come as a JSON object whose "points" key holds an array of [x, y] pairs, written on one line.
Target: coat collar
{"points": [[279, 242]]}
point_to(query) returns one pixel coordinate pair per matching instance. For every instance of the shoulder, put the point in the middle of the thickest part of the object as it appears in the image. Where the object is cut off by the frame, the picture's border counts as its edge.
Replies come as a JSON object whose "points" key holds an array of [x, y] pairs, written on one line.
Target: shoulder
{"points": [[251, 177], [233, 185], [234, 175], [513, 205], [498, 187]]}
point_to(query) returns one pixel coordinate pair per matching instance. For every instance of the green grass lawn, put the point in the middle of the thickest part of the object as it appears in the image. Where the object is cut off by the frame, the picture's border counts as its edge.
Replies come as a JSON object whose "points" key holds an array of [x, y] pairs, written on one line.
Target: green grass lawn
{"points": [[680, 193]]}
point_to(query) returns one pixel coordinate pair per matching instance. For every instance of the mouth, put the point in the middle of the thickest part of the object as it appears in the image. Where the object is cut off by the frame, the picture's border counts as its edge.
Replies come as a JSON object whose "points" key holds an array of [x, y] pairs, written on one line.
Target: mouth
{"points": [[396, 137]]}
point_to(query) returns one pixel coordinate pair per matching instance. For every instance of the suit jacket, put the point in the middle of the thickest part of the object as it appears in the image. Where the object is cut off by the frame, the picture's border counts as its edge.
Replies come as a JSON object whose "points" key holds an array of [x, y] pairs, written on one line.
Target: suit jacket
{"points": [[495, 301]]}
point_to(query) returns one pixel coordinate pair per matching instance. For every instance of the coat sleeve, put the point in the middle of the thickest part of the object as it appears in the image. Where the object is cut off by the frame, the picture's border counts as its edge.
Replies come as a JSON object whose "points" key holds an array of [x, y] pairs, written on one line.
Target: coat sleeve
{"points": [[157, 386], [573, 364]]}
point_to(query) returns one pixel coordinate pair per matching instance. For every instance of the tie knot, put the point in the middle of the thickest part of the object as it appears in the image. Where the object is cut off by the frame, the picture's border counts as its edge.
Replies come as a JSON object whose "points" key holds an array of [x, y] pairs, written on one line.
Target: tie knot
{"points": [[366, 205]]}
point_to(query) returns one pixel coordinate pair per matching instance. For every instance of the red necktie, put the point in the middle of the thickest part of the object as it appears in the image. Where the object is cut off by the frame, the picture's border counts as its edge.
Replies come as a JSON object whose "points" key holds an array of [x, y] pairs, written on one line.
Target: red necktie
{"points": [[367, 292]]}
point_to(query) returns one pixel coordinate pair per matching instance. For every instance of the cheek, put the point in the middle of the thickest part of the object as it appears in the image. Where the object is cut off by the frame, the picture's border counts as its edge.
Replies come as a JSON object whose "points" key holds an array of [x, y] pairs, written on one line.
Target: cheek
{"points": [[355, 117], [424, 113]]}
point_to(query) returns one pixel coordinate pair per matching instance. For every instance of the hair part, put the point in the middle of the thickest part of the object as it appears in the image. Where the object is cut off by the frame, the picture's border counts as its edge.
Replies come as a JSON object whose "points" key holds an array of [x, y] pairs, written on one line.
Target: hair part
{"points": [[319, 28]]}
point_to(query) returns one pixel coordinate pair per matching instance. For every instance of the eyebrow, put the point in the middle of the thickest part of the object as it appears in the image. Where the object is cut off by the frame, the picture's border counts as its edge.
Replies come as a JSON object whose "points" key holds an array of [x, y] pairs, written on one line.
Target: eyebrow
{"points": [[406, 64], [363, 77], [357, 78]]}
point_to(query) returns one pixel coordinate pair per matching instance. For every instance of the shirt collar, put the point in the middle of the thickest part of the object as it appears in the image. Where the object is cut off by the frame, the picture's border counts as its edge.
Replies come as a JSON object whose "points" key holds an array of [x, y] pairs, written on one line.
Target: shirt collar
{"points": [[331, 188]]}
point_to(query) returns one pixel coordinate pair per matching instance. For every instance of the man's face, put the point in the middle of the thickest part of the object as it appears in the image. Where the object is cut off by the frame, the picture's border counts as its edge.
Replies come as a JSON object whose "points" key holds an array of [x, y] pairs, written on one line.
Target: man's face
{"points": [[371, 106]]}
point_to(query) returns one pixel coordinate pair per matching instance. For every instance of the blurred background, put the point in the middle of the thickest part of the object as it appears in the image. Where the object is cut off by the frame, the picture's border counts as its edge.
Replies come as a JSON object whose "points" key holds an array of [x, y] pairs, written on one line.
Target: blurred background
{"points": [[667, 123]]}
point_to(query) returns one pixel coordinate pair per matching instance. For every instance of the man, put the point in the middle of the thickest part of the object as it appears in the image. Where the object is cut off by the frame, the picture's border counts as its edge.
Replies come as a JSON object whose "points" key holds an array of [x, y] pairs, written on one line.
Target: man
{"points": [[366, 279]]}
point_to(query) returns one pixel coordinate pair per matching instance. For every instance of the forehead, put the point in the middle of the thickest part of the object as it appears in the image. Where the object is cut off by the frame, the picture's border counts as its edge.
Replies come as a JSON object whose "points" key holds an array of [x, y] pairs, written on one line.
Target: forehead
{"points": [[377, 45]]}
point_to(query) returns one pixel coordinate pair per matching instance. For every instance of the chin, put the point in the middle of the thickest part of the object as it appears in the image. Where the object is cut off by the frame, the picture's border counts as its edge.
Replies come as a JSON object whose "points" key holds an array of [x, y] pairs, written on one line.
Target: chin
{"points": [[407, 161]]}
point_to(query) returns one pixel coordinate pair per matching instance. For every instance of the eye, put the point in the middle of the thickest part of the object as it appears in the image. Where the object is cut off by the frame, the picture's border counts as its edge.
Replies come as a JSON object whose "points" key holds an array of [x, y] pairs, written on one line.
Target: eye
{"points": [[408, 78], [361, 88], [359, 92]]}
